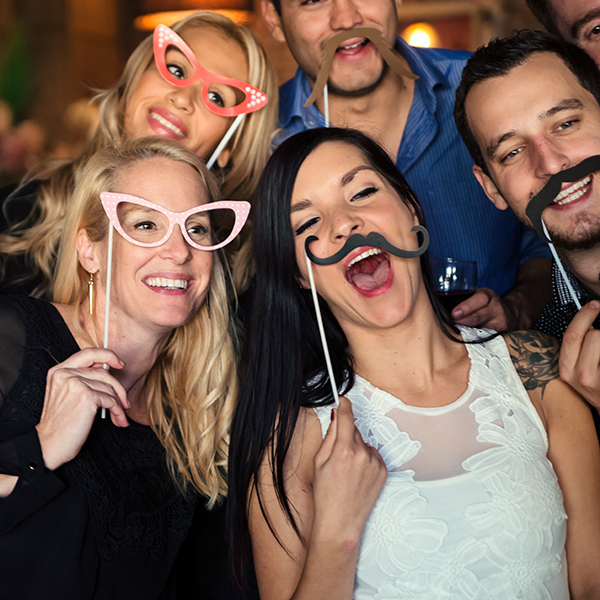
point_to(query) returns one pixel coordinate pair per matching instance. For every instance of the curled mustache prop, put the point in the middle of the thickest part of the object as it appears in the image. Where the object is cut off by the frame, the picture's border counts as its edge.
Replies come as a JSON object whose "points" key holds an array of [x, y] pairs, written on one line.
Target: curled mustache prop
{"points": [[370, 33], [375, 239], [548, 193]]}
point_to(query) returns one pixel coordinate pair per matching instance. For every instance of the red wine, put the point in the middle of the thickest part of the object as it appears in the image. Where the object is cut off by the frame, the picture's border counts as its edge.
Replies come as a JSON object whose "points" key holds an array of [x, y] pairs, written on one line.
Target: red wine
{"points": [[454, 297]]}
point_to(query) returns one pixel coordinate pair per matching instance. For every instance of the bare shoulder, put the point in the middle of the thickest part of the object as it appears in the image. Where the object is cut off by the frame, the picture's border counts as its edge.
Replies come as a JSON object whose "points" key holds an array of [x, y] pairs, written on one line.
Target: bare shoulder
{"points": [[535, 357], [306, 441], [298, 465]]}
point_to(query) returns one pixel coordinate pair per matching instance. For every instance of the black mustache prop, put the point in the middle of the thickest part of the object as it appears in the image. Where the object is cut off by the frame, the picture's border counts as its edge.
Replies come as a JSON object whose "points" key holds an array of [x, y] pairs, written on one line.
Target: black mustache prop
{"points": [[546, 195], [372, 239]]}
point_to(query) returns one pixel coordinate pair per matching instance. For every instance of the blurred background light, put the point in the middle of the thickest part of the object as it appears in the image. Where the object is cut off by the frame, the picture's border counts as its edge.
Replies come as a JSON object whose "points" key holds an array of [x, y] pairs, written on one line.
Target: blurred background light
{"points": [[422, 35]]}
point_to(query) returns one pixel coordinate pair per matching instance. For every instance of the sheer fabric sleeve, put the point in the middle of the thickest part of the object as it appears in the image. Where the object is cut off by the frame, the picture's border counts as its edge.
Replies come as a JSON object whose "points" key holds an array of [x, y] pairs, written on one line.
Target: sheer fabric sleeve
{"points": [[20, 451]]}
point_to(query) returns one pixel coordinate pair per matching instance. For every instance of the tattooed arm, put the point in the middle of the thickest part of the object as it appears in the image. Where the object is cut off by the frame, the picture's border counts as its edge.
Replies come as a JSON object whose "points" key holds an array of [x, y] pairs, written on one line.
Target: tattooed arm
{"points": [[535, 358], [573, 451]]}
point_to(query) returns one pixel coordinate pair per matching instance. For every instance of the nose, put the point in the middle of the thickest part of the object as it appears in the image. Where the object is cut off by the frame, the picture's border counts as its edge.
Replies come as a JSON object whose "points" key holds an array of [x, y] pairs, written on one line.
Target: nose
{"points": [[343, 223], [176, 248], [345, 15], [185, 98], [549, 158]]}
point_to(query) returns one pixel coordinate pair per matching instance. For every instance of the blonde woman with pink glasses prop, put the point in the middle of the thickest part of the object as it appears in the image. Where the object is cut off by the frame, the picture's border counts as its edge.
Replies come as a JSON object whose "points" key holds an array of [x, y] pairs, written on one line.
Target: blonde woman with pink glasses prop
{"points": [[205, 83], [139, 327]]}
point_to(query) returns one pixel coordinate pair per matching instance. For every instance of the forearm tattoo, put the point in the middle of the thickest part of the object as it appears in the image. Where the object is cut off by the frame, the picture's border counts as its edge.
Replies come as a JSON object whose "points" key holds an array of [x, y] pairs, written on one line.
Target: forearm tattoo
{"points": [[535, 358]]}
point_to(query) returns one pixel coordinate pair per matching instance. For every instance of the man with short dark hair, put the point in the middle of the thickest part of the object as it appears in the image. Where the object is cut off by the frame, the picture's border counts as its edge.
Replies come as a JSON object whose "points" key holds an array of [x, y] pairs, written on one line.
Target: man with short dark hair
{"points": [[528, 109], [577, 21], [413, 121]]}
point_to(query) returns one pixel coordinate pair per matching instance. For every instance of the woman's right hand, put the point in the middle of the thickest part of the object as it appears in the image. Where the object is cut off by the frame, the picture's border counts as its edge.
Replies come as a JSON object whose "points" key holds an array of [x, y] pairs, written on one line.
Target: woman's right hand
{"points": [[348, 478], [75, 390]]}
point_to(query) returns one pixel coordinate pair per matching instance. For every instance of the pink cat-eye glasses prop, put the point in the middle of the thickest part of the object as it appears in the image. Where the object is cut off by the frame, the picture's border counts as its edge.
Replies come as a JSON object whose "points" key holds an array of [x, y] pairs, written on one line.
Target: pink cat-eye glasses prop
{"points": [[238, 97], [206, 227]]}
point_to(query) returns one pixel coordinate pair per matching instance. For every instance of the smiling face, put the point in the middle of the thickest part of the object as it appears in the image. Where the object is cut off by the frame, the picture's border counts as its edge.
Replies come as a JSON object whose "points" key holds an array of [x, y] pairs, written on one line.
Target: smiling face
{"points": [[159, 287], [337, 193], [530, 124], [579, 22], [306, 26], [157, 107]]}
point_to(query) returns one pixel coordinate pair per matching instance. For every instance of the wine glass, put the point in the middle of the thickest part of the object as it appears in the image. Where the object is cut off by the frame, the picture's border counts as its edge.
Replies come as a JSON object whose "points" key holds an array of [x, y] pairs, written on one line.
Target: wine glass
{"points": [[453, 280]]}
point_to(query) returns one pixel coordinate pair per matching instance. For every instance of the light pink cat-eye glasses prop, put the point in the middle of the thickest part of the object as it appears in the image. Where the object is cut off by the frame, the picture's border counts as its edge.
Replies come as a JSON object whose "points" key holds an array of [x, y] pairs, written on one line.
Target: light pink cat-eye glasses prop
{"points": [[237, 96], [147, 224]]}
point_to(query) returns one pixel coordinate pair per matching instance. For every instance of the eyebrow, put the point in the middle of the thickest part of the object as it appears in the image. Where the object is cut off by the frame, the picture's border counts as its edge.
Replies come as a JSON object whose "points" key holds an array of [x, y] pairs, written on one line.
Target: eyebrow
{"points": [[174, 48], [568, 104], [497, 142], [302, 205], [349, 176], [345, 180], [578, 25]]}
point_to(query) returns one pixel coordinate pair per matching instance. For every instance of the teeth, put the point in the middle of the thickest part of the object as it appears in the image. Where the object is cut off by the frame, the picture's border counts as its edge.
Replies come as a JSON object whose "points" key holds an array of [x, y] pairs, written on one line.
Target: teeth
{"points": [[365, 254], [168, 284], [352, 46], [167, 124], [573, 192]]}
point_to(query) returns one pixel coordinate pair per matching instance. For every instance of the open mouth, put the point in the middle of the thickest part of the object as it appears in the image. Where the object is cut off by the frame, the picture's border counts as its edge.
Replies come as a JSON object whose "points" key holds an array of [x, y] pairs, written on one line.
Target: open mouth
{"points": [[574, 191], [353, 47], [167, 124], [370, 270], [167, 284]]}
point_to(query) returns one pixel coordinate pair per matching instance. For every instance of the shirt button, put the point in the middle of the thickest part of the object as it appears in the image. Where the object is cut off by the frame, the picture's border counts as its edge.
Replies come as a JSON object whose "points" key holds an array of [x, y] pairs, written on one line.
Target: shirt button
{"points": [[33, 465]]}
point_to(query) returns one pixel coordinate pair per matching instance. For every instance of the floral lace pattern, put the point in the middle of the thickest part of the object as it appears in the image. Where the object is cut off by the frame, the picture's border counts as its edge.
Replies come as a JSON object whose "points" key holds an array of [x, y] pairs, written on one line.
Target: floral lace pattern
{"points": [[495, 531]]}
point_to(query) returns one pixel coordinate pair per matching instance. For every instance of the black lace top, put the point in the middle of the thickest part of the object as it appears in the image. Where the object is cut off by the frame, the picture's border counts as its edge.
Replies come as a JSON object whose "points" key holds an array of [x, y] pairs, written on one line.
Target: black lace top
{"points": [[109, 523]]}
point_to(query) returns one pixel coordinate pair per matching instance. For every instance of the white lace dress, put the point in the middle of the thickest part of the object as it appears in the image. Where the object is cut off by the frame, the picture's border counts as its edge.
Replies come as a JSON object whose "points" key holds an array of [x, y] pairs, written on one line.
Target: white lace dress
{"points": [[471, 508]]}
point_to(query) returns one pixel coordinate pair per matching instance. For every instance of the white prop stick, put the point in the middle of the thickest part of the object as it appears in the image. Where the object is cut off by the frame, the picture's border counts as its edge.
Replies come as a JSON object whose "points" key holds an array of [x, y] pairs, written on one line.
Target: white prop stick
{"points": [[561, 268], [313, 290], [326, 102], [224, 141], [107, 307]]}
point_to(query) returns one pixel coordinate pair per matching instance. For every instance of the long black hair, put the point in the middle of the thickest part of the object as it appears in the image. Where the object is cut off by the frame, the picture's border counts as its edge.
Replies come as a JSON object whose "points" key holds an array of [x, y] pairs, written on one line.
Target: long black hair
{"points": [[285, 367]]}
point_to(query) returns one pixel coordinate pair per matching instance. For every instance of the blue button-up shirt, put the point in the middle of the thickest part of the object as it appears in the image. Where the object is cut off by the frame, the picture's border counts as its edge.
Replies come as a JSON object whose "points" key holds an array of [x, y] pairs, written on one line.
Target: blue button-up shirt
{"points": [[462, 221]]}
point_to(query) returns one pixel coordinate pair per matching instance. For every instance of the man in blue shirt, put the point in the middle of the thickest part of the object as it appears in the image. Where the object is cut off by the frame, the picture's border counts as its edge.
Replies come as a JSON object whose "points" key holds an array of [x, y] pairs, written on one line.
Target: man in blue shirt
{"points": [[413, 121]]}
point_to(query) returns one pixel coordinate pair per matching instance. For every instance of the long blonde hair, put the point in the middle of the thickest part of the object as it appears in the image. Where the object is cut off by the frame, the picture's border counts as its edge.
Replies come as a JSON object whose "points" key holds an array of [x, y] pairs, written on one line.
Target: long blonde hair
{"points": [[192, 387], [250, 149]]}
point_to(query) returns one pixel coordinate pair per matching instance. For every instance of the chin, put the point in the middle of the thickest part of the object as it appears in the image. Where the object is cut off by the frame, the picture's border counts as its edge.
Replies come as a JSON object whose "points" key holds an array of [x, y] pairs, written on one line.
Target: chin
{"points": [[172, 319]]}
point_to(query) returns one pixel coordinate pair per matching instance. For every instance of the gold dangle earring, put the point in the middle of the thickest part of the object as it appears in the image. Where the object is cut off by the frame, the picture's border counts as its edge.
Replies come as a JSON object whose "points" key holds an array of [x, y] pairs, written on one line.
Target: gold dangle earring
{"points": [[91, 293]]}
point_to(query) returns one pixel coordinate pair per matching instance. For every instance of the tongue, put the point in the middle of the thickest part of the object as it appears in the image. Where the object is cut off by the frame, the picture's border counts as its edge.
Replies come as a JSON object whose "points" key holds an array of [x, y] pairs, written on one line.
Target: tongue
{"points": [[370, 273]]}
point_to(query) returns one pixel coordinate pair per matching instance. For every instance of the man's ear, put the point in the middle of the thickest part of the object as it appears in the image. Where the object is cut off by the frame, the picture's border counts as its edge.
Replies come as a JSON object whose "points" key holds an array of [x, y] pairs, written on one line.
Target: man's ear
{"points": [[489, 187], [272, 19], [87, 252]]}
